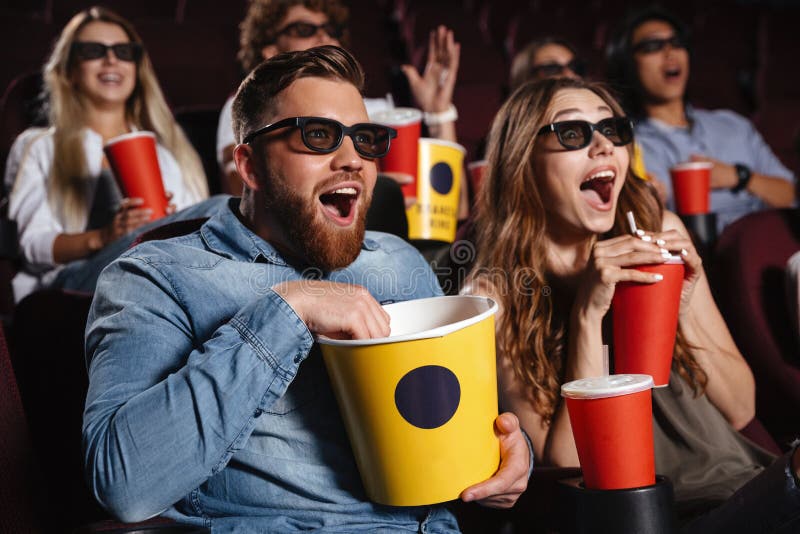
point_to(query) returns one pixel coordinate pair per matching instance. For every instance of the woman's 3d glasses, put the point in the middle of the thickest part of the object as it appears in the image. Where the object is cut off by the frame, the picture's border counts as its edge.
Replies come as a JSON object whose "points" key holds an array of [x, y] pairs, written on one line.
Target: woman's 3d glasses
{"points": [[574, 135], [89, 50]]}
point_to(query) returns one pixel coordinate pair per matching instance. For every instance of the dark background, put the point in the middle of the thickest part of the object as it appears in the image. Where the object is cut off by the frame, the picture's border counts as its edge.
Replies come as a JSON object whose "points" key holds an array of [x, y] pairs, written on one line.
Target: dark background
{"points": [[745, 54]]}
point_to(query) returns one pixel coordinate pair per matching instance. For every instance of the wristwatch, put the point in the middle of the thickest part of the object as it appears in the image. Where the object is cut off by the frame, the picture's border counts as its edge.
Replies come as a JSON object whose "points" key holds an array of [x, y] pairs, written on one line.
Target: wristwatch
{"points": [[744, 174]]}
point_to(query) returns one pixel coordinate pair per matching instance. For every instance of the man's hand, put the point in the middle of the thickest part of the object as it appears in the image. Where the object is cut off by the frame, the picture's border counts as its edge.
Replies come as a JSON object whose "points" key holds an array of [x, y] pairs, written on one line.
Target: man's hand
{"points": [[335, 310], [511, 479], [723, 176]]}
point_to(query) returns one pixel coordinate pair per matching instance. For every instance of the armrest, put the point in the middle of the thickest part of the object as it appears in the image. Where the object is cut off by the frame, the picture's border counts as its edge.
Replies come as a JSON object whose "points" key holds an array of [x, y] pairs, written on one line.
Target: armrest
{"points": [[156, 525], [535, 509]]}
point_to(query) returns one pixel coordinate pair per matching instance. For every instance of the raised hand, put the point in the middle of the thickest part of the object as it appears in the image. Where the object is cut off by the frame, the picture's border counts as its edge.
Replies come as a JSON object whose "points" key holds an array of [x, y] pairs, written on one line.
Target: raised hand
{"points": [[433, 91]]}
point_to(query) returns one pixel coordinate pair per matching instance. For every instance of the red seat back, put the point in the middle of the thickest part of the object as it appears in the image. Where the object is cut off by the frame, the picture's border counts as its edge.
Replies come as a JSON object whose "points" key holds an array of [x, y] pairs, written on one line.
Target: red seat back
{"points": [[47, 346], [749, 282], [19, 481]]}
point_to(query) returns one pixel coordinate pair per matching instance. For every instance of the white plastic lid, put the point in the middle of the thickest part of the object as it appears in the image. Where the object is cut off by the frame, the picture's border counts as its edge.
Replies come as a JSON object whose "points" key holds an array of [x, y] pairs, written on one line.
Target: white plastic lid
{"points": [[601, 387], [692, 166], [396, 116], [131, 135]]}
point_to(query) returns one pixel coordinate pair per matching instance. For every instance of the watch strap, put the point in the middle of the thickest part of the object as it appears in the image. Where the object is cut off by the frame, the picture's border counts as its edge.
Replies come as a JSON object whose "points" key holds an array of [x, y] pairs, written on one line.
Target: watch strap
{"points": [[744, 174]]}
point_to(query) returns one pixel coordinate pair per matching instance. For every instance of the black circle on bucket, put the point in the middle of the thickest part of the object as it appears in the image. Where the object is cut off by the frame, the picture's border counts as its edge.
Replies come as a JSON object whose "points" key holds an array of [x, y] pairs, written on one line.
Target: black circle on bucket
{"points": [[441, 178], [428, 396]]}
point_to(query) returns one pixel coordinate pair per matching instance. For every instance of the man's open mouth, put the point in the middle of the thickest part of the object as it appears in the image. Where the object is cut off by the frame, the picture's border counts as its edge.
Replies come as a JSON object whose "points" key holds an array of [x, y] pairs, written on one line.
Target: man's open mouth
{"points": [[597, 188], [672, 73], [339, 203]]}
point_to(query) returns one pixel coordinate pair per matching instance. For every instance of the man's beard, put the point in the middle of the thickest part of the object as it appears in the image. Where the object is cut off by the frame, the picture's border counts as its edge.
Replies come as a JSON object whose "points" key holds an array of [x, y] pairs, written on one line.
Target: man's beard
{"points": [[317, 242]]}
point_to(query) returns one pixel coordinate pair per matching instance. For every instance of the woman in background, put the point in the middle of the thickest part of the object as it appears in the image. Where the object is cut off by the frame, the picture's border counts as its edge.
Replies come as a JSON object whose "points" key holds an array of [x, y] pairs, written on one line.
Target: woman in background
{"points": [[549, 57], [100, 84]]}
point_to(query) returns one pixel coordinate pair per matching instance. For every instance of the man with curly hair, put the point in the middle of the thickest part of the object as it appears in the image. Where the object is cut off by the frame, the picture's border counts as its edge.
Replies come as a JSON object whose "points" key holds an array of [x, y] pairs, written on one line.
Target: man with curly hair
{"points": [[275, 26]]}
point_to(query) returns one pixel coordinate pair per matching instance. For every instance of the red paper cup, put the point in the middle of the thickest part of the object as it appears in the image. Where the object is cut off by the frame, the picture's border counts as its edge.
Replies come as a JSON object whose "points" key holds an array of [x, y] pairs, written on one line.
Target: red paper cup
{"points": [[691, 183], [477, 171], [646, 321], [403, 153], [612, 423], [135, 164]]}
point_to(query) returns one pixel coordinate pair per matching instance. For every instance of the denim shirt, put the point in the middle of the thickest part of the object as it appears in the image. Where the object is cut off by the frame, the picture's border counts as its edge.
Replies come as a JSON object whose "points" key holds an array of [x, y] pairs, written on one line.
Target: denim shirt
{"points": [[719, 134], [208, 399]]}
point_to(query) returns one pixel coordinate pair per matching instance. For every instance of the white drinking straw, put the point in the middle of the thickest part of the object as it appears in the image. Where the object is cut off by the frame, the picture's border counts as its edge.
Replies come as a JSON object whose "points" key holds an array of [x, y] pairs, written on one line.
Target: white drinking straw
{"points": [[636, 231], [606, 369], [632, 223]]}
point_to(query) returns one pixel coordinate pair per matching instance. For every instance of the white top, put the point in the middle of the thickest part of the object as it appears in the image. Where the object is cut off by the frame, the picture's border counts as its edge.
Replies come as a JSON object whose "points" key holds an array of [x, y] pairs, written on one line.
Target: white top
{"points": [[225, 136], [27, 176], [601, 387]]}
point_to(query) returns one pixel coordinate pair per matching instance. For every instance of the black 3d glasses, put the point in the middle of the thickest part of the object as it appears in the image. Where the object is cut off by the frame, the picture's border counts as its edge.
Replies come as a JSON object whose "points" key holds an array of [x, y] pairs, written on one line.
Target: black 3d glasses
{"points": [[574, 135], [305, 30], [650, 46], [550, 70], [326, 135], [88, 50]]}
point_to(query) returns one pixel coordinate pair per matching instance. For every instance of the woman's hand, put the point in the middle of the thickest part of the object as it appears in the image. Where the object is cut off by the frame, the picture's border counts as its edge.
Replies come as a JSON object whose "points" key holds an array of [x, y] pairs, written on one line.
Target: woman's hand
{"points": [[681, 245], [171, 207], [433, 91], [612, 261], [128, 218]]}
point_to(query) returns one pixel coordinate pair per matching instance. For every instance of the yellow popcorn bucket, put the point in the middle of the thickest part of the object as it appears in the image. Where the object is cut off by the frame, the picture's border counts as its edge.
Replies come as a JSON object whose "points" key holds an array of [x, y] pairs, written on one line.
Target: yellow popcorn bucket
{"points": [[435, 214], [420, 405]]}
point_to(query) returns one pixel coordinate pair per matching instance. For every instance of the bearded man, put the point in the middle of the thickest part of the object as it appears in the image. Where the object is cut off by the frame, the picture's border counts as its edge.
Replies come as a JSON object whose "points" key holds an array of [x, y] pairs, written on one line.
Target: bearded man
{"points": [[208, 399]]}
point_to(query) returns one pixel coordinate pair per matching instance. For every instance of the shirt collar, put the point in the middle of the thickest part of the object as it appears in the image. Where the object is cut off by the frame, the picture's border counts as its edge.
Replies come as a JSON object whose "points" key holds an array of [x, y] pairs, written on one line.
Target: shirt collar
{"points": [[663, 126], [225, 234]]}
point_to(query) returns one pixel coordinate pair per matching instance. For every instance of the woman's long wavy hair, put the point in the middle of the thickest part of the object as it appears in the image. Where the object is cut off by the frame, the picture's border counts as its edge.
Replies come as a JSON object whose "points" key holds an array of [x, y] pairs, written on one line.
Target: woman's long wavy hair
{"points": [[146, 109], [512, 226]]}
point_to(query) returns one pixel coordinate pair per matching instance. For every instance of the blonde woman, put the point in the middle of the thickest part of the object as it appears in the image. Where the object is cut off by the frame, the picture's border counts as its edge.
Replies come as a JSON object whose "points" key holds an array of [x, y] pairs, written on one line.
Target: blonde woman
{"points": [[100, 83], [553, 244]]}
